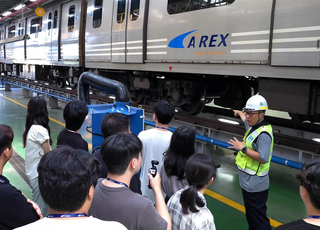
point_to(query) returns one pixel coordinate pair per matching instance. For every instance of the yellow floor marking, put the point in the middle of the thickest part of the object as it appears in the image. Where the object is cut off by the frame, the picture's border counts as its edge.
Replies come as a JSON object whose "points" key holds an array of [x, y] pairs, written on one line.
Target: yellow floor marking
{"points": [[56, 121], [52, 119], [235, 205], [14, 101]]}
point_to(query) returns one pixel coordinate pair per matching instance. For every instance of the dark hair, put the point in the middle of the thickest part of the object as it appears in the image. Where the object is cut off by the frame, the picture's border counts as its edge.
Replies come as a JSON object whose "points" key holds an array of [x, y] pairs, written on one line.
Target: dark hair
{"points": [[113, 123], [200, 168], [164, 111], [180, 149], [6, 137], [74, 114], [310, 179], [65, 177], [118, 150], [37, 114]]}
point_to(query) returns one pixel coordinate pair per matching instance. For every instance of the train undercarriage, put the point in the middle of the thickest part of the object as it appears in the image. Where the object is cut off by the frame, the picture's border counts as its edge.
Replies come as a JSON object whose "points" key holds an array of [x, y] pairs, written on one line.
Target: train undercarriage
{"points": [[189, 93]]}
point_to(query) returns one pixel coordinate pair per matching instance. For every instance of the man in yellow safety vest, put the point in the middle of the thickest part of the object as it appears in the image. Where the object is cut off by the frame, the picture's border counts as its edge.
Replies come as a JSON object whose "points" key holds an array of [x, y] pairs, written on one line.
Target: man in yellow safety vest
{"points": [[253, 161]]}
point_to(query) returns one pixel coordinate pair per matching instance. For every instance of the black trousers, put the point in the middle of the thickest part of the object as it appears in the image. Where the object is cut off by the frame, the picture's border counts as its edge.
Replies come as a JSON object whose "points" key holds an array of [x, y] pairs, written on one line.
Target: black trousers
{"points": [[256, 209]]}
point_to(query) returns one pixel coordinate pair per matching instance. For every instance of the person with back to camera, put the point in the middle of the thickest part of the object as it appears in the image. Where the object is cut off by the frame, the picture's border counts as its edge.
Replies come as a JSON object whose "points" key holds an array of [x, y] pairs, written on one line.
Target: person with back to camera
{"points": [[67, 178], [310, 195], [187, 207], [74, 114], [113, 200], [113, 123], [155, 142], [37, 141], [12, 201], [172, 170], [253, 161]]}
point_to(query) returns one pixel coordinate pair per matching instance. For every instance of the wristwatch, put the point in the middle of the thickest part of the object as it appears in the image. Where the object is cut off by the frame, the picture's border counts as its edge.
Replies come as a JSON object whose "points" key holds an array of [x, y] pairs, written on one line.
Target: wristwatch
{"points": [[244, 149]]}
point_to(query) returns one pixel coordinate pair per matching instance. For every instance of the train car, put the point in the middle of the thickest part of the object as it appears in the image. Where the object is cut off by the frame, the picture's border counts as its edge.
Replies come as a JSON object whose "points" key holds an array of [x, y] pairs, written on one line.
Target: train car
{"points": [[189, 52]]}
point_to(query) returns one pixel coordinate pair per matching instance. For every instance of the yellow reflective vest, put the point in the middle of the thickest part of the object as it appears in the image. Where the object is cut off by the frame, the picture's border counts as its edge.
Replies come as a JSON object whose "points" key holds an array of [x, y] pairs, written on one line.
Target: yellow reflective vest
{"points": [[246, 163]]}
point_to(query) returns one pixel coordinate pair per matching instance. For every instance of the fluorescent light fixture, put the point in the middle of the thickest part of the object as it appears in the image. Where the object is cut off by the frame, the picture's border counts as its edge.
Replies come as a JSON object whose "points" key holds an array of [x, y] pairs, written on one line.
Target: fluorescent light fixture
{"points": [[317, 139], [112, 97], [46, 83], [69, 88], [228, 121], [33, 0], [20, 6], [6, 13]]}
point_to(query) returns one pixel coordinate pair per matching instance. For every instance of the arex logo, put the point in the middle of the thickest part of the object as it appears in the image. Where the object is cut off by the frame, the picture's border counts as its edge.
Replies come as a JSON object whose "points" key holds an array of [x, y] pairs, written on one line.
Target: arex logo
{"points": [[215, 40]]}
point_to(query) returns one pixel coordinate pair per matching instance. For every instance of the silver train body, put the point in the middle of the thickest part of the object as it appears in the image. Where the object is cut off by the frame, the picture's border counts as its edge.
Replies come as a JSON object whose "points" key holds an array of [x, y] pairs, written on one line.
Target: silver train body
{"points": [[187, 51]]}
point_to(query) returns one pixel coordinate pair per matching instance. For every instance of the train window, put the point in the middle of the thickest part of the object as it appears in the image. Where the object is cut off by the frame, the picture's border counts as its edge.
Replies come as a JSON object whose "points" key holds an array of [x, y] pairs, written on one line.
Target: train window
{"points": [[55, 19], [19, 29], [121, 11], [72, 11], [36, 25], [11, 31], [181, 6], [49, 22], [97, 13], [134, 11]]}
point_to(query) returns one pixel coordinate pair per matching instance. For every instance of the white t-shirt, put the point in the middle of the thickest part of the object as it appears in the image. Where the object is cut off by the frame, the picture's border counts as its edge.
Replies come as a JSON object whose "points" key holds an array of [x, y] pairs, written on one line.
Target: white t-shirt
{"points": [[76, 223], [36, 136], [155, 143]]}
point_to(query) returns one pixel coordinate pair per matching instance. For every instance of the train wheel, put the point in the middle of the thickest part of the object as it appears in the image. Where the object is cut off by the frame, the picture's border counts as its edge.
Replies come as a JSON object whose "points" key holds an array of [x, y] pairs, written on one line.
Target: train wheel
{"points": [[137, 96], [194, 107], [60, 82], [196, 103]]}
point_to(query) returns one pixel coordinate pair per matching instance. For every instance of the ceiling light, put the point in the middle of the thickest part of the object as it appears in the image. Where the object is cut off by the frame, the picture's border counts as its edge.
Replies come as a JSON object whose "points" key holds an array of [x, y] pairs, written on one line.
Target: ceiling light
{"points": [[6, 13], [19, 7], [317, 139]]}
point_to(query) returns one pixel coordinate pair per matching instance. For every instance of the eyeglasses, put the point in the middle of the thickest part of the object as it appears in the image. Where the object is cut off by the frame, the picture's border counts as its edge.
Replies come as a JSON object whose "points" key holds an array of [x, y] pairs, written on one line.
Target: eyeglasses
{"points": [[250, 114]]}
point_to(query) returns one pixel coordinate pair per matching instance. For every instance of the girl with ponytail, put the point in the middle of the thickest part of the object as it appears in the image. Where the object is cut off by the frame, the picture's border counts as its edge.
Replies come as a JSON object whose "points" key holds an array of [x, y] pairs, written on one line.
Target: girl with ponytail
{"points": [[187, 207]]}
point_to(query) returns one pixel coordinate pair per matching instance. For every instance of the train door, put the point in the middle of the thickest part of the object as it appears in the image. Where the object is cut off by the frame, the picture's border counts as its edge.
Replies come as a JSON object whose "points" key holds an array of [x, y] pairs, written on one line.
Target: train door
{"points": [[98, 32], [69, 38], [296, 36], [128, 35], [49, 16], [54, 34], [36, 43]]}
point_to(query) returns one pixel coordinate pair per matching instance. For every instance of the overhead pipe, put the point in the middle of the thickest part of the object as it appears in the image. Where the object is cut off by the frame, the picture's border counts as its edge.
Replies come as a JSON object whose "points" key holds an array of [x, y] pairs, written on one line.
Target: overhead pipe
{"points": [[274, 159], [31, 5]]}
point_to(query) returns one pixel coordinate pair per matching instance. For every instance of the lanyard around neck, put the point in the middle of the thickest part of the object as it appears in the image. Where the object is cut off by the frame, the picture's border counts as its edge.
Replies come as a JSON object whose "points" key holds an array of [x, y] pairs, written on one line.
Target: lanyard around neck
{"points": [[67, 215], [116, 182], [158, 127], [314, 217], [3, 181]]}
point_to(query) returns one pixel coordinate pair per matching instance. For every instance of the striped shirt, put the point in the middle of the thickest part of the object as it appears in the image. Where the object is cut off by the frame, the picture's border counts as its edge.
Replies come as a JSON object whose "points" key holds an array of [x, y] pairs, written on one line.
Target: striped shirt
{"points": [[200, 220]]}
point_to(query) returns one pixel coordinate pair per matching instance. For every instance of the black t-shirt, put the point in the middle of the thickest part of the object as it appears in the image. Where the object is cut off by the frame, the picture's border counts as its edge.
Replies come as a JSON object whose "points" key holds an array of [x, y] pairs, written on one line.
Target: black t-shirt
{"points": [[135, 183], [15, 211], [72, 139], [298, 225]]}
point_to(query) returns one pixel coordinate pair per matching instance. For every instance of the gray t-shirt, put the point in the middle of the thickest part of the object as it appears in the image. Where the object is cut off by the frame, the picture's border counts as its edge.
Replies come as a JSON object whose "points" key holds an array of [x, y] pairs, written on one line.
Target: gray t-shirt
{"points": [[171, 184], [255, 183], [122, 205]]}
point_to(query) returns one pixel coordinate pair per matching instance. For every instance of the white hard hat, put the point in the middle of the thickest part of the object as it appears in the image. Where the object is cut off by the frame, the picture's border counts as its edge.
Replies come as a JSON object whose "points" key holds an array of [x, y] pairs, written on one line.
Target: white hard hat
{"points": [[256, 102]]}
